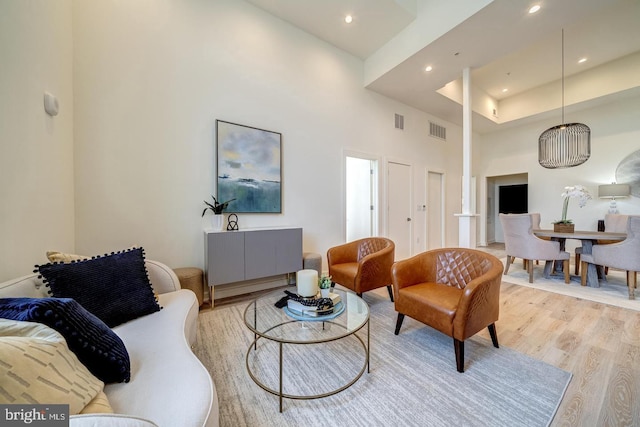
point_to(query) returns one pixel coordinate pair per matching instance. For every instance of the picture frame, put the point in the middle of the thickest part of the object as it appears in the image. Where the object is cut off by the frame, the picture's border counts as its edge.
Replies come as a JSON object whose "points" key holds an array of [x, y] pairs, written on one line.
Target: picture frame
{"points": [[628, 172], [249, 168]]}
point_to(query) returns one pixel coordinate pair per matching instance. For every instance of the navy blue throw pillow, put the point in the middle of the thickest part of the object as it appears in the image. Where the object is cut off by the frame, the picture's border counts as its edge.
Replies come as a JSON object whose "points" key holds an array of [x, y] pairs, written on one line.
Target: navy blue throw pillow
{"points": [[97, 346], [115, 288]]}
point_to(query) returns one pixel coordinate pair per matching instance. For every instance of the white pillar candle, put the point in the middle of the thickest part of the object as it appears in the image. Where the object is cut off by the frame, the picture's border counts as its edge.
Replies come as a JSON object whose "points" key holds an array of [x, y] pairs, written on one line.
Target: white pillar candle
{"points": [[307, 283]]}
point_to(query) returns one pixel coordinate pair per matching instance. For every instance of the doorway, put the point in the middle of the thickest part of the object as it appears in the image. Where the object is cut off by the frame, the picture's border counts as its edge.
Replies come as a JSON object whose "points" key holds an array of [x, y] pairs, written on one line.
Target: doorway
{"points": [[399, 226], [361, 219], [435, 206], [503, 187]]}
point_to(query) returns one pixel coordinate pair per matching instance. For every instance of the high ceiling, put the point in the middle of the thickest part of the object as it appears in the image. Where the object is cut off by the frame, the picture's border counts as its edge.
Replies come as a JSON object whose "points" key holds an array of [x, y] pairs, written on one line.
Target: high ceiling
{"points": [[503, 45]]}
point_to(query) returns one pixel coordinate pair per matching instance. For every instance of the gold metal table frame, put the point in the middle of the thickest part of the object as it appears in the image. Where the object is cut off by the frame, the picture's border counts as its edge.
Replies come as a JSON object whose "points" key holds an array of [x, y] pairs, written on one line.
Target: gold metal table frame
{"points": [[268, 322]]}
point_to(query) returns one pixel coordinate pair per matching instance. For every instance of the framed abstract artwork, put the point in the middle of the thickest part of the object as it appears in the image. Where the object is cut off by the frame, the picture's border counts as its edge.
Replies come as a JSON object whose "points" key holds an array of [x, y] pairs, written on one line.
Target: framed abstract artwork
{"points": [[628, 172], [249, 168]]}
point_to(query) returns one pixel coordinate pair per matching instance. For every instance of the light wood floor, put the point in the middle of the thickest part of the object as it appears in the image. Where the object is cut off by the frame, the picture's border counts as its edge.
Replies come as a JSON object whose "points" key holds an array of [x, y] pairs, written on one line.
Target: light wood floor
{"points": [[599, 344]]}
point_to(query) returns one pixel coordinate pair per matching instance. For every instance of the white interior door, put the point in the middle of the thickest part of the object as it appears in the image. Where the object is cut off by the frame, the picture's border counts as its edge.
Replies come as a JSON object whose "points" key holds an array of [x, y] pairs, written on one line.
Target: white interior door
{"points": [[360, 194], [435, 218], [399, 208]]}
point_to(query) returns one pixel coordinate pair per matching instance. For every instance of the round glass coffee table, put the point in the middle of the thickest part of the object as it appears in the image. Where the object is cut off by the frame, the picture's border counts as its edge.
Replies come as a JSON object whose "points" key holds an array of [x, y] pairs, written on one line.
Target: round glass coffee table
{"points": [[281, 326]]}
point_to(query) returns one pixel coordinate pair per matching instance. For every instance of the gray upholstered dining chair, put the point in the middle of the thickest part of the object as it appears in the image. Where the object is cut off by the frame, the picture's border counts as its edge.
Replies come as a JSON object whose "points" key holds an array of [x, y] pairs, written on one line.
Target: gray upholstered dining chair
{"points": [[520, 242], [623, 255], [535, 220], [614, 223]]}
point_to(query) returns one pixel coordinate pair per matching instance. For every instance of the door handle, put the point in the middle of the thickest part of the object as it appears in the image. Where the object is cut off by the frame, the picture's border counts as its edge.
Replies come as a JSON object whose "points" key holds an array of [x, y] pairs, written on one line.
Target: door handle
{"points": [[408, 219]]}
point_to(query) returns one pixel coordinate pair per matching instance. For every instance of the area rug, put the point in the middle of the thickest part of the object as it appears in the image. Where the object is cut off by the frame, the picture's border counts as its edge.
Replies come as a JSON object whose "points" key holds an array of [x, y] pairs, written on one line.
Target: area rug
{"points": [[613, 291], [412, 381]]}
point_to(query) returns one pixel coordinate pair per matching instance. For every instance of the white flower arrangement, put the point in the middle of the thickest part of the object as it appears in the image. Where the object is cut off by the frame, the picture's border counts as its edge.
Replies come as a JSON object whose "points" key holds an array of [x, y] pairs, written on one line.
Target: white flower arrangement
{"points": [[576, 192]]}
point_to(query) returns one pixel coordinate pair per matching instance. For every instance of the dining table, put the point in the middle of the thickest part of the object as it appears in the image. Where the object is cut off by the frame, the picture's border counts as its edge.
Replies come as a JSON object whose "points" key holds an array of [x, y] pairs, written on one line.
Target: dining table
{"points": [[588, 239]]}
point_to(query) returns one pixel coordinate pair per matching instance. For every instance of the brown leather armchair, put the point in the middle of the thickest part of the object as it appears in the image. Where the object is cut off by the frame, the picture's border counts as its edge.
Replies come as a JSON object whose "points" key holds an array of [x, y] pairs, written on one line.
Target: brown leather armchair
{"points": [[362, 265], [453, 290]]}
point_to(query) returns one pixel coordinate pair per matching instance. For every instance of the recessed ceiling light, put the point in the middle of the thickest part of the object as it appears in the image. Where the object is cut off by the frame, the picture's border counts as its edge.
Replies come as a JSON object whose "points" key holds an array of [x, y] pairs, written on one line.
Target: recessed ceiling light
{"points": [[534, 8], [348, 19], [581, 60], [428, 68], [505, 90]]}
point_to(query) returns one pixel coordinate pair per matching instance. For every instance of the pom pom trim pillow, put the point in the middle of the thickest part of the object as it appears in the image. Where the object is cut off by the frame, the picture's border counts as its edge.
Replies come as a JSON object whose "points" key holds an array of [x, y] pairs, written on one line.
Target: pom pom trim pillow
{"points": [[115, 288]]}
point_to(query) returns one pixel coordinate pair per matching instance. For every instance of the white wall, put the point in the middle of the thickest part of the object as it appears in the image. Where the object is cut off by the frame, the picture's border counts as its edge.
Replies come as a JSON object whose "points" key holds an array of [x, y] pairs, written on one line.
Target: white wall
{"points": [[151, 78], [36, 150], [615, 133], [140, 85]]}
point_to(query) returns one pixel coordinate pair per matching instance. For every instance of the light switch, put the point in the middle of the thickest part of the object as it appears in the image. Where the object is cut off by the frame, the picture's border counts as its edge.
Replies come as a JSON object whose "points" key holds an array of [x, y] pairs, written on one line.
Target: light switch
{"points": [[51, 104]]}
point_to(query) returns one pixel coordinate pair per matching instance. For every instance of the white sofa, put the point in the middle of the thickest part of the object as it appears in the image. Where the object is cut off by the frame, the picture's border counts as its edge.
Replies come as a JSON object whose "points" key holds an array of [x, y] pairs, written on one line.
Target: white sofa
{"points": [[169, 386]]}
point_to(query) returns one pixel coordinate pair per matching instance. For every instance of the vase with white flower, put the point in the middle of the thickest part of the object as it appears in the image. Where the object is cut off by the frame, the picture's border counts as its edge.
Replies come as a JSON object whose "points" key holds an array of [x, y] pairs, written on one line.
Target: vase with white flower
{"points": [[579, 192]]}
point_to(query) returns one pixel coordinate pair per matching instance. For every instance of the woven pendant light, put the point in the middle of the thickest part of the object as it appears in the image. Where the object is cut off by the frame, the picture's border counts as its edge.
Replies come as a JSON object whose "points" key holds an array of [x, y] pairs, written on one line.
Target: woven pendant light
{"points": [[565, 145]]}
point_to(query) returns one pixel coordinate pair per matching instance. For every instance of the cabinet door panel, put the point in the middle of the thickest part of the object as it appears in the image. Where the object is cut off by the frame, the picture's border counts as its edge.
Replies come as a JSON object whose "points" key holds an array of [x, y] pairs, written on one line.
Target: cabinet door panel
{"points": [[289, 250], [260, 253], [225, 258]]}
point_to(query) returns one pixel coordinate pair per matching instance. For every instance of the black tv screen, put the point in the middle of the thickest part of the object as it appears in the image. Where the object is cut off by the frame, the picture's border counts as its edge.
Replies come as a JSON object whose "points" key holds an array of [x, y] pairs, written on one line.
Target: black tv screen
{"points": [[513, 199]]}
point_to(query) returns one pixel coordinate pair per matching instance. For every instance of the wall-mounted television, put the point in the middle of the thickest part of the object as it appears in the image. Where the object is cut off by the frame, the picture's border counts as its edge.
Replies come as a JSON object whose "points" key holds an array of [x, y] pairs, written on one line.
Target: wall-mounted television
{"points": [[513, 198]]}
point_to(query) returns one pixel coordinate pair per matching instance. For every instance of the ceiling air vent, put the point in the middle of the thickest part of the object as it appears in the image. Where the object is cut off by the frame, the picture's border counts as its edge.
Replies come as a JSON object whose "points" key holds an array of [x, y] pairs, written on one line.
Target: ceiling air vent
{"points": [[399, 121], [437, 131]]}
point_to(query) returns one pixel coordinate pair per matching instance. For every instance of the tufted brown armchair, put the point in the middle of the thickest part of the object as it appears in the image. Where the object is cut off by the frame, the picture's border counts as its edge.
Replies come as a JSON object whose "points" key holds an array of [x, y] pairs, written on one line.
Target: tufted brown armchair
{"points": [[453, 290], [362, 265]]}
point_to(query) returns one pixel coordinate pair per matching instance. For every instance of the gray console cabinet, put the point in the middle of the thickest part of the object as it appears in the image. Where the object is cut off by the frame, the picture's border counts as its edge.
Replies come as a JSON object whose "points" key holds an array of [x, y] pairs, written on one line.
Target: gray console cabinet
{"points": [[235, 256]]}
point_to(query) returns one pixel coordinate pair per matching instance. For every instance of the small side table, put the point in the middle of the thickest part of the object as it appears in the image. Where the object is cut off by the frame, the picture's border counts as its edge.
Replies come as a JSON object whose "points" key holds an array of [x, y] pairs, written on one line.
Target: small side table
{"points": [[312, 261], [192, 278]]}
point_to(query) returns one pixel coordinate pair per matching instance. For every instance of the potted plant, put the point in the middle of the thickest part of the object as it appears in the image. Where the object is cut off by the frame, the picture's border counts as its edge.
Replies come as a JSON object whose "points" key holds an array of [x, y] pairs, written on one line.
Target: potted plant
{"points": [[579, 192], [324, 283], [217, 209]]}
